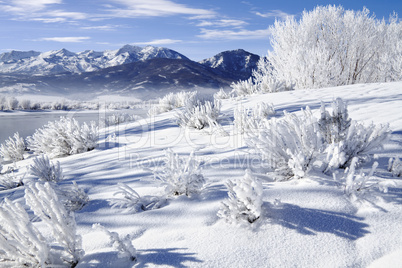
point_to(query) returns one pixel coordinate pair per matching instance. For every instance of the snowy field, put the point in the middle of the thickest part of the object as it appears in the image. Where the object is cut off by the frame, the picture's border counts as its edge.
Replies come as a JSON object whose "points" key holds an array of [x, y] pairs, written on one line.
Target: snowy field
{"points": [[304, 223]]}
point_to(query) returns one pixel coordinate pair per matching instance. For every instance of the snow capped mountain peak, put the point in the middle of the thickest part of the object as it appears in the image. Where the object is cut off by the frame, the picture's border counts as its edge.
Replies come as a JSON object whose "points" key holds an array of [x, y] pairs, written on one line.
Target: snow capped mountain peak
{"points": [[233, 61], [15, 55], [58, 61]]}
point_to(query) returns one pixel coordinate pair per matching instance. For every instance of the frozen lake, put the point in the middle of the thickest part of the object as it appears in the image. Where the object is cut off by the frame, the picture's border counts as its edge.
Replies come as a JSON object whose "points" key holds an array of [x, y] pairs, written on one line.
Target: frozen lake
{"points": [[27, 122]]}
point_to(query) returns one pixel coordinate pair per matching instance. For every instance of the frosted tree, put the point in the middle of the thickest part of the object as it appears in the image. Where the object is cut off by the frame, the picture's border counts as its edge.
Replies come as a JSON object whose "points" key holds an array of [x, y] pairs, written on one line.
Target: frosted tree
{"points": [[181, 176], [244, 202], [331, 46], [13, 149]]}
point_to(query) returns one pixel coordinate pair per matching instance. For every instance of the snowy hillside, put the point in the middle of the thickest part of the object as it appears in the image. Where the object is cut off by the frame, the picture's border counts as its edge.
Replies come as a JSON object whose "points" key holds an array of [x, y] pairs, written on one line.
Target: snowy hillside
{"points": [[59, 61], [308, 222]]}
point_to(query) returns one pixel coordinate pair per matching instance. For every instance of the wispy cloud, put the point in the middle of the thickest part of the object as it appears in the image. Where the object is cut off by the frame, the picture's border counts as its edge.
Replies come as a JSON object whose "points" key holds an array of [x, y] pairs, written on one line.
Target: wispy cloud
{"points": [[154, 8], [274, 14], [68, 39], [241, 34], [108, 27], [40, 10], [159, 42], [222, 23]]}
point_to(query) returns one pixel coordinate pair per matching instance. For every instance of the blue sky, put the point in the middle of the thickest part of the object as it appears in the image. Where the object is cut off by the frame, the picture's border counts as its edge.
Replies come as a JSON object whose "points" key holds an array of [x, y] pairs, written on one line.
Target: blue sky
{"points": [[197, 29]]}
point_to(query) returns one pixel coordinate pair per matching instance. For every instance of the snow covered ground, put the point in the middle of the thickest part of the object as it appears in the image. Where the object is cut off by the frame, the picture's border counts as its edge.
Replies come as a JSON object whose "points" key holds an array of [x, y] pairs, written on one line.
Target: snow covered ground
{"points": [[305, 223]]}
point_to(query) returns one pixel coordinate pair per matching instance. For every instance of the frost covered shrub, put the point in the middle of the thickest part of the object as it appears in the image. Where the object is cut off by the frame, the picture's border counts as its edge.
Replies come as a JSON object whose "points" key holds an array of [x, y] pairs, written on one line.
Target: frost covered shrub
{"points": [[246, 120], [45, 170], [181, 176], [245, 200], [64, 137], [357, 183], [124, 245], [221, 95], [358, 142], [10, 181], [395, 167], [72, 197], [331, 46], [289, 145], [199, 114], [44, 202], [172, 101], [13, 149], [131, 201], [119, 118], [334, 126], [21, 244], [261, 81]]}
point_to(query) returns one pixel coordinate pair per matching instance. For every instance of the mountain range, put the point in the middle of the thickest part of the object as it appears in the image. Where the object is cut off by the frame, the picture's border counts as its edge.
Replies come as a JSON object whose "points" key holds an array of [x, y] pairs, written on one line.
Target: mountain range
{"points": [[130, 69]]}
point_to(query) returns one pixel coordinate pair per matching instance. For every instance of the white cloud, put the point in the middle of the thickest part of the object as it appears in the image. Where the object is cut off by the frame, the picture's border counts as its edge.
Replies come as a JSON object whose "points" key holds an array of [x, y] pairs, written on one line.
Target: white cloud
{"points": [[223, 23], [159, 42], [69, 39], [155, 8], [40, 10], [274, 14], [241, 34], [107, 27]]}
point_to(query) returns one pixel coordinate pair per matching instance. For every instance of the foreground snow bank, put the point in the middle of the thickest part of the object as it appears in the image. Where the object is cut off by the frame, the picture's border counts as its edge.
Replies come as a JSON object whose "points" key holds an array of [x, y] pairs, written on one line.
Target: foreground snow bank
{"points": [[308, 222]]}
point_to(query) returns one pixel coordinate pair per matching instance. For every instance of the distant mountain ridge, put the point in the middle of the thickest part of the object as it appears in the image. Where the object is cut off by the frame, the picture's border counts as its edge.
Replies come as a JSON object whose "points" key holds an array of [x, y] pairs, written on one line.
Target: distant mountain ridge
{"points": [[127, 70], [59, 61], [237, 64]]}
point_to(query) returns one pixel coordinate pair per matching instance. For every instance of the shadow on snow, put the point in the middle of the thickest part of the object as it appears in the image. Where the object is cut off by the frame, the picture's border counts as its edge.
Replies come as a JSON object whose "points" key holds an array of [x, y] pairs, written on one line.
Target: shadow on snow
{"points": [[312, 221]]}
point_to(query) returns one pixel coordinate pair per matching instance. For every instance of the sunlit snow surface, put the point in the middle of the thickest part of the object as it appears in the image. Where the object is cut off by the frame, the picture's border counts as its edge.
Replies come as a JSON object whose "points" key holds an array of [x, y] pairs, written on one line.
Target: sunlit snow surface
{"points": [[313, 225]]}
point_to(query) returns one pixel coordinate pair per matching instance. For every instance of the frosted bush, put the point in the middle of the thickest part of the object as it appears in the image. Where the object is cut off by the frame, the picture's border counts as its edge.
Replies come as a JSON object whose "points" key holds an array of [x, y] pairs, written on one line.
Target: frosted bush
{"points": [[172, 101], [246, 120], [200, 114], [244, 87], [181, 176], [131, 201], [289, 145], [13, 149], [72, 197], [118, 118], [395, 167], [44, 202], [358, 142], [356, 184], [261, 81], [334, 126], [64, 137], [221, 95], [21, 244], [123, 246], [245, 200], [45, 170], [10, 181]]}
